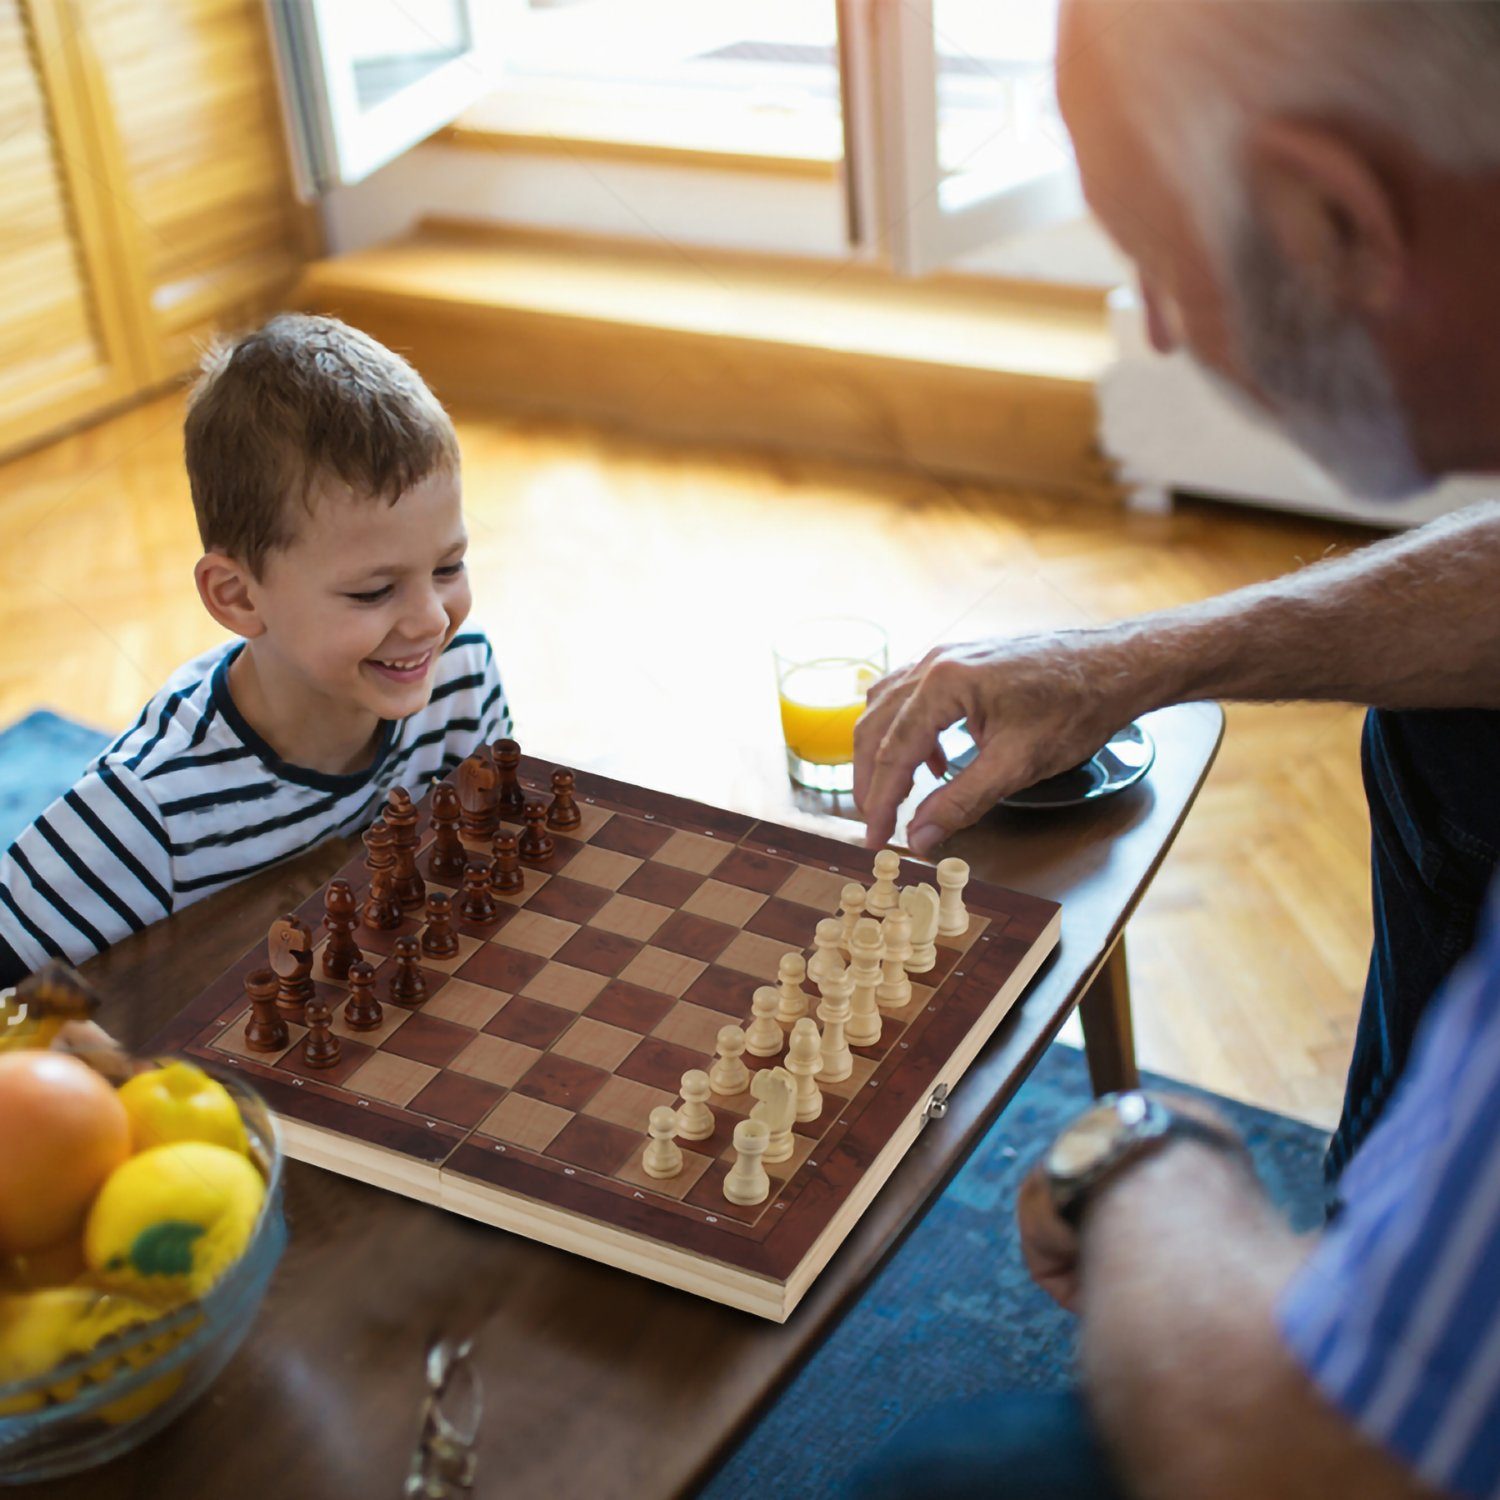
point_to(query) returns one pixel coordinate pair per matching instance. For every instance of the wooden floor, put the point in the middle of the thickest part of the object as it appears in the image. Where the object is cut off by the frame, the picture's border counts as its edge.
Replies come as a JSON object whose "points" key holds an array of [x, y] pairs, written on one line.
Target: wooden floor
{"points": [[627, 585]]}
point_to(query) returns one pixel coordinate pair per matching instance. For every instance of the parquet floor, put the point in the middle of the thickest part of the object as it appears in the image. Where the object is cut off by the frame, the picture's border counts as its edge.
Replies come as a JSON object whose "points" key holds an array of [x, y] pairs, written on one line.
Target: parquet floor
{"points": [[632, 589]]}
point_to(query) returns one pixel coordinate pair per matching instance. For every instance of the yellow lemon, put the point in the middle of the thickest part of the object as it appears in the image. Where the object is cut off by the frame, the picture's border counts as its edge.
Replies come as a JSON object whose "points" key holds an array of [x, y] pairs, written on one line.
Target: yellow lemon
{"points": [[180, 1102], [39, 1330], [176, 1216]]}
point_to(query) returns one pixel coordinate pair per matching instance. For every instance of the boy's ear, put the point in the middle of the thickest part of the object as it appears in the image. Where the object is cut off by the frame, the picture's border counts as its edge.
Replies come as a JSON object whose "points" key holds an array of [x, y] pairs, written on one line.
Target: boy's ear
{"points": [[226, 588]]}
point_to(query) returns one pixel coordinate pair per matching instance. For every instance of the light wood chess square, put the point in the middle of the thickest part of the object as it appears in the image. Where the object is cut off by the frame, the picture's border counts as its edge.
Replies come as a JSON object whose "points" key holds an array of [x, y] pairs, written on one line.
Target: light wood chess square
{"points": [[692, 851], [666, 973], [594, 1042], [623, 1101], [392, 1019], [495, 1060], [750, 953], [466, 1004], [535, 880], [630, 917], [594, 818], [467, 948], [780, 1172], [535, 932], [604, 867], [232, 1040], [524, 1122], [847, 1088], [731, 904], [694, 1165], [394, 1079], [690, 1025], [562, 984], [817, 888]]}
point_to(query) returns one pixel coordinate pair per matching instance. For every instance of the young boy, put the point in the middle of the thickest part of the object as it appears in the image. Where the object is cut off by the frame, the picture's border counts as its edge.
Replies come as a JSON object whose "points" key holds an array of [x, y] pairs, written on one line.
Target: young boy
{"points": [[325, 477]]}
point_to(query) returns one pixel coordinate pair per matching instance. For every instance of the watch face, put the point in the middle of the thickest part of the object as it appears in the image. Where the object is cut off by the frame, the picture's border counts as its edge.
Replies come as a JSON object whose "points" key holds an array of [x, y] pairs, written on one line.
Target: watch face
{"points": [[1085, 1143]]}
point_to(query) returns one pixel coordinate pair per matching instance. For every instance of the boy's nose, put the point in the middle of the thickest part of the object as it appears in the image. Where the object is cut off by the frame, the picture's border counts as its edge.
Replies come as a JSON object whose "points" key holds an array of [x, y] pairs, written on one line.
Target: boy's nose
{"points": [[427, 618]]}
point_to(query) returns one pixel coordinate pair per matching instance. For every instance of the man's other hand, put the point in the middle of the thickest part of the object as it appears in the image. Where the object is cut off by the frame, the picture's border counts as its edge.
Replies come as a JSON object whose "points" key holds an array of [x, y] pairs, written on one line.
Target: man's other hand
{"points": [[1048, 1244]]}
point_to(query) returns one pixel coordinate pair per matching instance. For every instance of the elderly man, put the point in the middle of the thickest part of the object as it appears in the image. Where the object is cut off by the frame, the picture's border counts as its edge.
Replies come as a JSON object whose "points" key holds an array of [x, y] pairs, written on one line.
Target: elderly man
{"points": [[1311, 192]]}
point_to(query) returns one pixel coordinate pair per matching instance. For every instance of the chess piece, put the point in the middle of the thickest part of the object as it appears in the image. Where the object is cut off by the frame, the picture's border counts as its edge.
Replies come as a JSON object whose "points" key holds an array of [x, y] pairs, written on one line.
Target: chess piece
{"points": [[476, 904], [321, 1048], [895, 988], [764, 1038], [506, 878], [401, 818], [266, 1030], [408, 982], [536, 843], [920, 903], [290, 945], [663, 1157], [512, 795], [747, 1182], [952, 877], [833, 1012], [448, 858], [777, 1091], [883, 894], [362, 1011], [867, 945], [695, 1120], [340, 918], [794, 999], [804, 1061], [381, 909], [438, 937], [563, 814], [478, 796], [851, 909], [729, 1075], [826, 946]]}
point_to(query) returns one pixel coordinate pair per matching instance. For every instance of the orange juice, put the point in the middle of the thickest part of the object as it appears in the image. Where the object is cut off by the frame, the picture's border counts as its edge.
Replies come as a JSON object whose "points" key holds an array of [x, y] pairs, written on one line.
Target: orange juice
{"points": [[820, 702]]}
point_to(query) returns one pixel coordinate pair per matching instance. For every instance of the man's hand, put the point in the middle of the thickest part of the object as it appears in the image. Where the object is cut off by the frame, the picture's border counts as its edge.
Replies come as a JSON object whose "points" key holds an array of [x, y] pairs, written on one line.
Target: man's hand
{"points": [[1035, 705], [1048, 1245]]}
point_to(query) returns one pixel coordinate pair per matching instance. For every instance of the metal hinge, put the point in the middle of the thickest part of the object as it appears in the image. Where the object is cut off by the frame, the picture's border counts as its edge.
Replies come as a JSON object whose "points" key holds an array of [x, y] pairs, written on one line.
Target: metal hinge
{"points": [[937, 1105]]}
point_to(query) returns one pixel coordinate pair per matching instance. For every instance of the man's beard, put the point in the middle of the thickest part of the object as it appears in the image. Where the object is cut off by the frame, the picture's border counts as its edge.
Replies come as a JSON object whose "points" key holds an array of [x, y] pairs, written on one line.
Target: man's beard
{"points": [[1326, 383]]}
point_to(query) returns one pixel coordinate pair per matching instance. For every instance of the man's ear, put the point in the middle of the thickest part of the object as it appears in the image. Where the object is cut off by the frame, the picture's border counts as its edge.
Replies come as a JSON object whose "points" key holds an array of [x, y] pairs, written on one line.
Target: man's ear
{"points": [[227, 589], [1329, 212]]}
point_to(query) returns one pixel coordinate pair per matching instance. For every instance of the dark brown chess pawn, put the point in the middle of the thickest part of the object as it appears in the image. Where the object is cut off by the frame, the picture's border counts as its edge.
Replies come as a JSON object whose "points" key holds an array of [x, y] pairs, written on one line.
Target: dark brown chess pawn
{"points": [[408, 982], [265, 1031], [322, 1048], [478, 796], [476, 904], [563, 814], [506, 878], [536, 843], [438, 937], [340, 917], [290, 945], [401, 819], [512, 794], [448, 857], [362, 1011]]}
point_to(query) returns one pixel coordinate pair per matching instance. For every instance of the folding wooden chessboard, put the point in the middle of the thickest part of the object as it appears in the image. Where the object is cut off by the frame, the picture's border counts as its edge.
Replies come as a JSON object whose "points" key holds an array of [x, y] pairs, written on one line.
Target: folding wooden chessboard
{"points": [[519, 1090]]}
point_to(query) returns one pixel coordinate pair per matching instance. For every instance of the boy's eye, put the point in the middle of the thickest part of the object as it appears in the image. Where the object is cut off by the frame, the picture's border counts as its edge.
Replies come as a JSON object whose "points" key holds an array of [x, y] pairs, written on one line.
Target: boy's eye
{"points": [[374, 596], [451, 570]]}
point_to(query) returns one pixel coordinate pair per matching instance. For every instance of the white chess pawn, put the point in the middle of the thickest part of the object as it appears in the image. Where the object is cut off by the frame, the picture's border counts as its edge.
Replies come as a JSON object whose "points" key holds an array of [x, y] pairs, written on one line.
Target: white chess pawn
{"points": [[864, 969], [952, 877], [895, 987], [747, 1181], [883, 895], [851, 909], [777, 1091], [663, 1156], [695, 1120], [804, 1061], [920, 903], [833, 1012], [764, 1038], [790, 974], [729, 1075], [826, 942]]}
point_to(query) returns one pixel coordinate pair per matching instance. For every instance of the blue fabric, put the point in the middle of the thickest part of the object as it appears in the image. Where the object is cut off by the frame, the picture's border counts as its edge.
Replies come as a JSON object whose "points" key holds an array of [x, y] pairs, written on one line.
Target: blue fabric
{"points": [[1434, 838], [1396, 1315], [953, 1316], [41, 756]]}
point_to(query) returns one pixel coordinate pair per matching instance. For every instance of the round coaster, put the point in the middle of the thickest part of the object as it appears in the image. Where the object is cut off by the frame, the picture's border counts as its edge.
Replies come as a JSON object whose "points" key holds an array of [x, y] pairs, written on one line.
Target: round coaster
{"points": [[1119, 764]]}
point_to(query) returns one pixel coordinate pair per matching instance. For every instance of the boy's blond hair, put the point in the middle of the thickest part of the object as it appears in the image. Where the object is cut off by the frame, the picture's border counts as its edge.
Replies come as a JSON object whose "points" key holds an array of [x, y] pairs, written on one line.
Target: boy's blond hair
{"points": [[303, 399]]}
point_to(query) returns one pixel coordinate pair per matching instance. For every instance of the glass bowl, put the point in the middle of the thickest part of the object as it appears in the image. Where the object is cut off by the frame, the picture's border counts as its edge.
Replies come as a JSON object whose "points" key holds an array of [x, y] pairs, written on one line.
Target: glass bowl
{"points": [[130, 1386]]}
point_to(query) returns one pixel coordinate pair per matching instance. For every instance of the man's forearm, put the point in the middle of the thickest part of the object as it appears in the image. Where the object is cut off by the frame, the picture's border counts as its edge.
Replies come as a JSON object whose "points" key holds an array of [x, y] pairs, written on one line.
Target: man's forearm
{"points": [[1413, 622]]}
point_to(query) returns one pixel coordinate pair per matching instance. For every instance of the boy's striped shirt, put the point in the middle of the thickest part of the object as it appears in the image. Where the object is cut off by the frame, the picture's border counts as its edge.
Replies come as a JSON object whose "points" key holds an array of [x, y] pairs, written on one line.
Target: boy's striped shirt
{"points": [[191, 799]]}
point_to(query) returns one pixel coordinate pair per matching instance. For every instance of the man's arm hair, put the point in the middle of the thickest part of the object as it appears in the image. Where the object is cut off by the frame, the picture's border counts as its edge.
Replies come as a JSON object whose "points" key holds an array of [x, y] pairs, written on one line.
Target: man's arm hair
{"points": [[1186, 1374]]}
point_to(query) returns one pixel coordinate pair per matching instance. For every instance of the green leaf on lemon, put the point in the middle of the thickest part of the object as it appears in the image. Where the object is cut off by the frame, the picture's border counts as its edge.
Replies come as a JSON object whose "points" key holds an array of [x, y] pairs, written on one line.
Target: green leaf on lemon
{"points": [[165, 1249]]}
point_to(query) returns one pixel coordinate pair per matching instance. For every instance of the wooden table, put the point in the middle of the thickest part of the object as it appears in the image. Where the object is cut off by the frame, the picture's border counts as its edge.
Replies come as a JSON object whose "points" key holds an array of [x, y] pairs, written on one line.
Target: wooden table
{"points": [[596, 1383]]}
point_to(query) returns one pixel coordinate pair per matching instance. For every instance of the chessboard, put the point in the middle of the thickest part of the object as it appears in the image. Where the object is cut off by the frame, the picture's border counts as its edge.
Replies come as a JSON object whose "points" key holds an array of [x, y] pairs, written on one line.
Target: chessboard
{"points": [[513, 1079]]}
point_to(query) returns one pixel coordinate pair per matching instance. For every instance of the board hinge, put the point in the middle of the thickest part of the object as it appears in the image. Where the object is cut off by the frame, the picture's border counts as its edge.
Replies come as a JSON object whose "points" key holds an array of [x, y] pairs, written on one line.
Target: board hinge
{"points": [[937, 1103]]}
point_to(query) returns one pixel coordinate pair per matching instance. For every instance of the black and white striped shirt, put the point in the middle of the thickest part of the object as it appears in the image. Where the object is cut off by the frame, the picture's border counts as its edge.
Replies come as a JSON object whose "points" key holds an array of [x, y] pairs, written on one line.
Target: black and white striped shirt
{"points": [[190, 799]]}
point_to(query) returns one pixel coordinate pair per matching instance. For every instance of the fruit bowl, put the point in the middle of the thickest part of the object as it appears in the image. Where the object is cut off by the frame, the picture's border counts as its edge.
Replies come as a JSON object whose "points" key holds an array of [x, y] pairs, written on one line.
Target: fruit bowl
{"points": [[103, 1403]]}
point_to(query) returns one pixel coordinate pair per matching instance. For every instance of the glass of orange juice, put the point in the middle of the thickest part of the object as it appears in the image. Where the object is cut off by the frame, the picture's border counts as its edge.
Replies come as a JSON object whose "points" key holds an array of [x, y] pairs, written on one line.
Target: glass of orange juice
{"points": [[823, 670]]}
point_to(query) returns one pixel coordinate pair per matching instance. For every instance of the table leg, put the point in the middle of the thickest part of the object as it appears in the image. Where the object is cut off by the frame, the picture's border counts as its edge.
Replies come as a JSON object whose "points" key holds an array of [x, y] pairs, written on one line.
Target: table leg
{"points": [[1108, 1037]]}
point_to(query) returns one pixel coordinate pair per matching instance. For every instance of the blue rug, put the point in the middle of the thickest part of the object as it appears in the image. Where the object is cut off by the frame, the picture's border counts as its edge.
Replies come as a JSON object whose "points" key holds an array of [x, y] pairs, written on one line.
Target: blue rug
{"points": [[41, 756], [953, 1313]]}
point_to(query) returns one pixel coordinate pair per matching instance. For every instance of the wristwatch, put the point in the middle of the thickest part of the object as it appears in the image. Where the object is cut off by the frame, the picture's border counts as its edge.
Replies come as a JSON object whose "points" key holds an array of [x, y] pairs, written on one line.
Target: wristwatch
{"points": [[1118, 1130]]}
